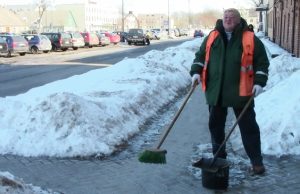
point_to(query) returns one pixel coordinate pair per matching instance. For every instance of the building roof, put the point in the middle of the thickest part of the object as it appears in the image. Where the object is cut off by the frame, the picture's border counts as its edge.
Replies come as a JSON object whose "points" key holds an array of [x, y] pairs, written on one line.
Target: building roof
{"points": [[9, 18]]}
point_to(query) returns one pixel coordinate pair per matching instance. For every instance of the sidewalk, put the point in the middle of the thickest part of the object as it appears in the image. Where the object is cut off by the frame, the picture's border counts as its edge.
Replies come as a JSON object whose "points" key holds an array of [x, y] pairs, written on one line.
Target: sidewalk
{"points": [[123, 173]]}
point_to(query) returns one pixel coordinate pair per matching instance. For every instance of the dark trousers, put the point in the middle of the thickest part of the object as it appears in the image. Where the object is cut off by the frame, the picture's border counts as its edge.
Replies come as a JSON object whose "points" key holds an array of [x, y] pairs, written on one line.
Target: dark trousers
{"points": [[248, 127]]}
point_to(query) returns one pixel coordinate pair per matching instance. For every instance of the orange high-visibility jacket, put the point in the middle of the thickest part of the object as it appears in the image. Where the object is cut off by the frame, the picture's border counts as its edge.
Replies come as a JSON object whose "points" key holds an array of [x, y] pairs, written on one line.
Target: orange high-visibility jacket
{"points": [[246, 73]]}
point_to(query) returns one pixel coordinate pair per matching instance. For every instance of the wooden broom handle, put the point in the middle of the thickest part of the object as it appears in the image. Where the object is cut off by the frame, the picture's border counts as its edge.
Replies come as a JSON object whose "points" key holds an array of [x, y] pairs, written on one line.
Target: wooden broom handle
{"points": [[233, 127], [166, 132]]}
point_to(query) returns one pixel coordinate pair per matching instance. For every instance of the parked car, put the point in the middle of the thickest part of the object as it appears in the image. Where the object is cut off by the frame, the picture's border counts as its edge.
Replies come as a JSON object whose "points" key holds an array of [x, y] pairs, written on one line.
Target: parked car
{"points": [[90, 39], [123, 35], [16, 44], [103, 40], [136, 36], [38, 43], [183, 32], [198, 33], [3, 45], [59, 40], [156, 33], [77, 40], [150, 34], [176, 32], [114, 38]]}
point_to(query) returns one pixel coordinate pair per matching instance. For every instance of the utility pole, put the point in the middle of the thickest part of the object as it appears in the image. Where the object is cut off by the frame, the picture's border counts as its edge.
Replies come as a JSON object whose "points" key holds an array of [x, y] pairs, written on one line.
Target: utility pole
{"points": [[122, 15], [260, 15], [168, 17], [189, 14]]}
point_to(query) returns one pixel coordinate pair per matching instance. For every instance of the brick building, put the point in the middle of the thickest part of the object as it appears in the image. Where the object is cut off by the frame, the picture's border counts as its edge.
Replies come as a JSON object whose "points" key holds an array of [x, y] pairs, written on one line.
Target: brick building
{"points": [[284, 24]]}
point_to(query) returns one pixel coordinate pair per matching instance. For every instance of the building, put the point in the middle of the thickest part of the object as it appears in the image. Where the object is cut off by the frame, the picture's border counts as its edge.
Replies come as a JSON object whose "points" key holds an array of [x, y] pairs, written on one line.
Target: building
{"points": [[270, 19], [83, 15], [284, 24], [251, 16], [150, 21], [14, 24]]}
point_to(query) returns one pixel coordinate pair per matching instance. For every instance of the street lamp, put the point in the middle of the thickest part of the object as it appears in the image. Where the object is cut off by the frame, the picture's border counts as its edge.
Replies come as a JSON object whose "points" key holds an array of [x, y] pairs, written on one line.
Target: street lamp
{"points": [[122, 15], [168, 17], [189, 6]]}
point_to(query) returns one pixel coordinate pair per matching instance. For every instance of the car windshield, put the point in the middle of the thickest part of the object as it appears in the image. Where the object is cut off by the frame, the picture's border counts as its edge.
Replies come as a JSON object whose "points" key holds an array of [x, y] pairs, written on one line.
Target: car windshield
{"points": [[77, 35], [136, 31], [18, 38], [65, 35]]}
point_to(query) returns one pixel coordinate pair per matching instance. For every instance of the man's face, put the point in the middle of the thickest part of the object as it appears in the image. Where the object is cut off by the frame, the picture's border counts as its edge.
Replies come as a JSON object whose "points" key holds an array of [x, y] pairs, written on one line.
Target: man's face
{"points": [[230, 21]]}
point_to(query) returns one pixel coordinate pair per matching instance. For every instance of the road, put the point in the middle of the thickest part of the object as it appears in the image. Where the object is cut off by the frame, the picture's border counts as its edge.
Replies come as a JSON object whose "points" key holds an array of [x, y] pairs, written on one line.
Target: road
{"points": [[19, 74]]}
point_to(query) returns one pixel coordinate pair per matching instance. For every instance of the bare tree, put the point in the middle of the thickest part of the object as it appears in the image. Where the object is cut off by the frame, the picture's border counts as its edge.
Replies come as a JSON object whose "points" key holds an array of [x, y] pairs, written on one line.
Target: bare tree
{"points": [[42, 6], [206, 19], [181, 19], [257, 2]]}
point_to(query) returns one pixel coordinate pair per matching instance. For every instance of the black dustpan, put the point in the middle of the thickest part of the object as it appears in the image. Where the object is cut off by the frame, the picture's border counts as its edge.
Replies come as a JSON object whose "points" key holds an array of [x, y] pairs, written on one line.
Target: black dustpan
{"points": [[215, 171], [209, 163]]}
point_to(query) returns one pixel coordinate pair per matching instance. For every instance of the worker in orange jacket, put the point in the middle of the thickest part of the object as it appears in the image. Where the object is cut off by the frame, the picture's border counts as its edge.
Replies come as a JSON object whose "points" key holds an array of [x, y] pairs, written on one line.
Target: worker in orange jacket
{"points": [[229, 75]]}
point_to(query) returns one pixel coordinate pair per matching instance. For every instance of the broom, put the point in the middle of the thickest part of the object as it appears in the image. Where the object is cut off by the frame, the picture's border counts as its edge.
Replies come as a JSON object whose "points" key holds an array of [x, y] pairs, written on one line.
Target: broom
{"points": [[156, 155]]}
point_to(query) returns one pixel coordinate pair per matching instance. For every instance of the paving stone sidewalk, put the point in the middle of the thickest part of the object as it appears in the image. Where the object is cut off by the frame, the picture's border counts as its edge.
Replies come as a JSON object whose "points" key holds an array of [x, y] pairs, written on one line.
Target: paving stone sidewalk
{"points": [[123, 174]]}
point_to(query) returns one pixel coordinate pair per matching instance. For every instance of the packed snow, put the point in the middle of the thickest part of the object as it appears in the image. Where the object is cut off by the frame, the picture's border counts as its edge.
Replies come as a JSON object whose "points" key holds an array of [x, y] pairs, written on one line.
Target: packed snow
{"points": [[9, 184], [93, 113]]}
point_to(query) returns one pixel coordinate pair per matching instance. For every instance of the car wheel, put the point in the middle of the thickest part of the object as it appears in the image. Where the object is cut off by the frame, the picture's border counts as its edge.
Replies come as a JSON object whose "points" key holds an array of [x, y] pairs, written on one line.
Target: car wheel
{"points": [[75, 48], [22, 54], [45, 51], [129, 43], [34, 50]]}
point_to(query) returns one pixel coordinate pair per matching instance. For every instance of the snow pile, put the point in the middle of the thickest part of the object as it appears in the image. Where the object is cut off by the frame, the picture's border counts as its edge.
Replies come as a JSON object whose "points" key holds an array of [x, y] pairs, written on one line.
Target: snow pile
{"points": [[92, 113], [277, 109], [9, 184]]}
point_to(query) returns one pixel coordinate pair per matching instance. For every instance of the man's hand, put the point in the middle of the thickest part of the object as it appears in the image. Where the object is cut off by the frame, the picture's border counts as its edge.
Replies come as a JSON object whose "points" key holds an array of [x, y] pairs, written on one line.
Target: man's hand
{"points": [[196, 78], [257, 89]]}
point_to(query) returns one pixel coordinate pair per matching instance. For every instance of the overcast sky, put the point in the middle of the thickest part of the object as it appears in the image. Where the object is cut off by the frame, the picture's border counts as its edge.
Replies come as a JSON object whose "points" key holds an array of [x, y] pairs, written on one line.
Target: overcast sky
{"points": [[161, 6]]}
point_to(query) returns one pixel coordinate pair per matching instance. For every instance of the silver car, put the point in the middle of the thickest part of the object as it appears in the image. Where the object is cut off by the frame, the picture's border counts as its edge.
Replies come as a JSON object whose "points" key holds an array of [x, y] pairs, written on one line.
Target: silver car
{"points": [[38, 43], [15, 45], [77, 40]]}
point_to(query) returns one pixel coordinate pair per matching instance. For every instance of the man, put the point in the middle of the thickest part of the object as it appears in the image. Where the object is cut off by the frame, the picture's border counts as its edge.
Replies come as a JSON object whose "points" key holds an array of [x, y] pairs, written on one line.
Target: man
{"points": [[221, 77]]}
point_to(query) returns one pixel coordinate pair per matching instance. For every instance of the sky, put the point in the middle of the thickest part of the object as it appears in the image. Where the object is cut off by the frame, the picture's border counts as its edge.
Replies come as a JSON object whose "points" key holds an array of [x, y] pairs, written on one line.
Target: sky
{"points": [[161, 6], [93, 112]]}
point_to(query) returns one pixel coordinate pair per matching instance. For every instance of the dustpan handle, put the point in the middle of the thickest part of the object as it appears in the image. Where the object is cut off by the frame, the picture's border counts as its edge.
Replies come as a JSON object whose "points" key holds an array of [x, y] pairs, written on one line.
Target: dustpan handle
{"points": [[166, 132], [231, 130]]}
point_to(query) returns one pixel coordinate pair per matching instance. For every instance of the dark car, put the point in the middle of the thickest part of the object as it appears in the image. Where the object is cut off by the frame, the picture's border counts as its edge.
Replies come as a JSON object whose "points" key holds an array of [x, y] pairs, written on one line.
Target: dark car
{"points": [[136, 36], [59, 40], [15, 45], [3, 45], [38, 43], [198, 33], [123, 35]]}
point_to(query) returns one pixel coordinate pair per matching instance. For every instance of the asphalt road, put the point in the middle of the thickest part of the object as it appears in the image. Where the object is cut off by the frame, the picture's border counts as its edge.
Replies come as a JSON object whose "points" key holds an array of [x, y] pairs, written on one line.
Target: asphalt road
{"points": [[19, 74]]}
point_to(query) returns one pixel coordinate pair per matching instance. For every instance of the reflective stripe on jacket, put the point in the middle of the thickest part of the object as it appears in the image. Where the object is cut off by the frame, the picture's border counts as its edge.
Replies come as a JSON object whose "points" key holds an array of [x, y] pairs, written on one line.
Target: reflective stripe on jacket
{"points": [[246, 73]]}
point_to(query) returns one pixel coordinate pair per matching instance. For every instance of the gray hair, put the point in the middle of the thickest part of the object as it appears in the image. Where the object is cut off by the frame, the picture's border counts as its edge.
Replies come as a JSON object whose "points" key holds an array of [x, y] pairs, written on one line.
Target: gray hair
{"points": [[235, 12]]}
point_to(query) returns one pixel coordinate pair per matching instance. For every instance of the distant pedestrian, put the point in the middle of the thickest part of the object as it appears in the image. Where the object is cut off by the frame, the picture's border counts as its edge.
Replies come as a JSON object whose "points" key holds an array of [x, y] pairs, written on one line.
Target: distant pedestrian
{"points": [[229, 81], [251, 27]]}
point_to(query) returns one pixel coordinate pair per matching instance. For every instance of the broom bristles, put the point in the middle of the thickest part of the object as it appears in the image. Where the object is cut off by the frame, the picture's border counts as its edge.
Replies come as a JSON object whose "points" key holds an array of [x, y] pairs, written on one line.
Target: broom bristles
{"points": [[151, 156]]}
